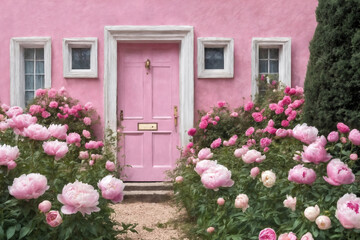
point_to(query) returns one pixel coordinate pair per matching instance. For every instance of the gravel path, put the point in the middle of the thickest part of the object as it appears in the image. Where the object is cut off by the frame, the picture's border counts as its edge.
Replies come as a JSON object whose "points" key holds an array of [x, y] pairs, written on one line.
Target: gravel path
{"points": [[160, 221]]}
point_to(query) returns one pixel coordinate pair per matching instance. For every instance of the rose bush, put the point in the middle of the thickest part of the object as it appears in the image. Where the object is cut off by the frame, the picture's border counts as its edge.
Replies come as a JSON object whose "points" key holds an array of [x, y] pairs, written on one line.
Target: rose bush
{"points": [[50, 165], [286, 179]]}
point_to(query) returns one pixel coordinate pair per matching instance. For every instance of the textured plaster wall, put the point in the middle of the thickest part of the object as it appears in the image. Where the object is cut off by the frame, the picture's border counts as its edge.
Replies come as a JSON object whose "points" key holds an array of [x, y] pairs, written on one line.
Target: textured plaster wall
{"points": [[238, 19]]}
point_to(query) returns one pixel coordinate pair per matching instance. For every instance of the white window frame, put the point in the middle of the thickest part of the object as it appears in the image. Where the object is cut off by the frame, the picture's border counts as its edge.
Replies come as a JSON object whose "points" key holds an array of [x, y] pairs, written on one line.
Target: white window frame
{"points": [[68, 44], [17, 65], [284, 45], [214, 42]]}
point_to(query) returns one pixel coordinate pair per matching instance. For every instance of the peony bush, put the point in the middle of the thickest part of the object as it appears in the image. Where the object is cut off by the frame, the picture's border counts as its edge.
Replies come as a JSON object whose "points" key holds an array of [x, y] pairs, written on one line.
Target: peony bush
{"points": [[277, 179], [56, 179]]}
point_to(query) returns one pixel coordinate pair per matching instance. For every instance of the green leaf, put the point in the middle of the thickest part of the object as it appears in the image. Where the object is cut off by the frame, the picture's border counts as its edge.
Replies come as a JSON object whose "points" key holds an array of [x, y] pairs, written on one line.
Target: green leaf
{"points": [[10, 232], [24, 231], [1, 233]]}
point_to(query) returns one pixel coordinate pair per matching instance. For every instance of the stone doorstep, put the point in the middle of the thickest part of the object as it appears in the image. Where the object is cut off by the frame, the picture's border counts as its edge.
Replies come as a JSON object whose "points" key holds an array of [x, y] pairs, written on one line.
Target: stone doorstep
{"points": [[153, 196], [138, 186]]}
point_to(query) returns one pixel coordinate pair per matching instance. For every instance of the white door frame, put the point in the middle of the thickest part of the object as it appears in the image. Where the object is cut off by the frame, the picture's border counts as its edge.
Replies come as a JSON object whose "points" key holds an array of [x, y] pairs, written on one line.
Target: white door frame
{"points": [[151, 34]]}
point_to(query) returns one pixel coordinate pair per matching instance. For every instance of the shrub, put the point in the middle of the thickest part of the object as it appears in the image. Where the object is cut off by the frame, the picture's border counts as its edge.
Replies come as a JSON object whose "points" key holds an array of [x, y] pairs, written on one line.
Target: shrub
{"points": [[50, 159]]}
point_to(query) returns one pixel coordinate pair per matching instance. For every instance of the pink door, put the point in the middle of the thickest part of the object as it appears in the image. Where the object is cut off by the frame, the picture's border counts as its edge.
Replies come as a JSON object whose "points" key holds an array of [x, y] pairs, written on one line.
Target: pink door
{"points": [[148, 103]]}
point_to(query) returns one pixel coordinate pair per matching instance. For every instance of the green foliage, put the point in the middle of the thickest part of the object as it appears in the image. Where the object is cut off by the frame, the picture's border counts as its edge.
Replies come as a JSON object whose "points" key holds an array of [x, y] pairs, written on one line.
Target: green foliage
{"points": [[332, 83]]}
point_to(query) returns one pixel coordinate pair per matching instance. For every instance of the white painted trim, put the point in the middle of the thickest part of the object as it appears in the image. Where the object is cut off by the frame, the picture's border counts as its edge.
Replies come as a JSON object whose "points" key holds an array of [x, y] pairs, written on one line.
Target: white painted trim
{"points": [[284, 45], [17, 69], [228, 45], [68, 44], [182, 34]]}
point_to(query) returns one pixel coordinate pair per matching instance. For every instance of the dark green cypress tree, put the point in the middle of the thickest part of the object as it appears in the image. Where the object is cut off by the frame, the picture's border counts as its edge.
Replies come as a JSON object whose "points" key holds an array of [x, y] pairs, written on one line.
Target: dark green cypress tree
{"points": [[332, 84]]}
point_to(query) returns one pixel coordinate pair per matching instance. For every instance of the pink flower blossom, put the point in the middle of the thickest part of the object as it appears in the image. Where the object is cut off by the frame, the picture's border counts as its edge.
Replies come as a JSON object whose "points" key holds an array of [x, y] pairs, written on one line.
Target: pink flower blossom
{"points": [[4, 125], [353, 156], [53, 104], [292, 115], [323, 222], [5, 107], [58, 131], [281, 133], [216, 176], [86, 134], [14, 111], [292, 91], [73, 138], [348, 211], [339, 173], [284, 123], [316, 152], [279, 110], [88, 106], [231, 141], [216, 143], [19, 122], [112, 188], [204, 165], [91, 162], [262, 78], [241, 151], [40, 92], [250, 142], [203, 124], [268, 178], [234, 114], [221, 104], [84, 155], [242, 201], [93, 144], [248, 106], [264, 142], [44, 206], [333, 136], [191, 131], [354, 137], [290, 202], [249, 131], [8, 155], [302, 175], [179, 179], [343, 140], [55, 148], [34, 109], [287, 236], [96, 157], [79, 197], [286, 100], [312, 212], [37, 132], [299, 91], [305, 133], [62, 91], [342, 127], [220, 201], [210, 230], [307, 236], [110, 166], [87, 121], [52, 93], [254, 172], [53, 218], [205, 153], [257, 116], [11, 165], [267, 234], [29, 186], [252, 156], [60, 116], [45, 114], [273, 106]]}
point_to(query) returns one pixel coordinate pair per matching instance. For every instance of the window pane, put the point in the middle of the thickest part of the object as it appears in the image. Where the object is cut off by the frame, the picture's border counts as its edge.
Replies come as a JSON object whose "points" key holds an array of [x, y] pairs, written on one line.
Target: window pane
{"points": [[263, 66], [29, 95], [263, 53], [39, 81], [40, 67], [39, 53], [29, 67], [29, 53], [274, 53], [274, 66], [80, 58], [29, 82], [214, 58]]}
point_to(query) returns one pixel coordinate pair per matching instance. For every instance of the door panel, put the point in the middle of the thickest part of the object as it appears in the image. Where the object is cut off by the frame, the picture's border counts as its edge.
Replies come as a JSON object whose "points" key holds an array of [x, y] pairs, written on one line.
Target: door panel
{"points": [[148, 96]]}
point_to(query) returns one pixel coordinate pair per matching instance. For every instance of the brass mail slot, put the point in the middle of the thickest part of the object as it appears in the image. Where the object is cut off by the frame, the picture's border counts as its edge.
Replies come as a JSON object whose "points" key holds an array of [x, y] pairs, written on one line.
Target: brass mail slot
{"points": [[147, 126]]}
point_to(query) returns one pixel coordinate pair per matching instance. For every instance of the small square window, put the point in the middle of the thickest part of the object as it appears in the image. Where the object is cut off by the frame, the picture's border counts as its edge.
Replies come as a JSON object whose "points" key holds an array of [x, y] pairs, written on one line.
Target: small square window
{"points": [[80, 57], [215, 58]]}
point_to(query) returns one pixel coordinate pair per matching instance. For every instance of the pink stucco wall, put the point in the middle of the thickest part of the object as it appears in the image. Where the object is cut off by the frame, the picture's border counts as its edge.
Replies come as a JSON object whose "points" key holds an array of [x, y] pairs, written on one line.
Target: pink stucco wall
{"points": [[238, 19]]}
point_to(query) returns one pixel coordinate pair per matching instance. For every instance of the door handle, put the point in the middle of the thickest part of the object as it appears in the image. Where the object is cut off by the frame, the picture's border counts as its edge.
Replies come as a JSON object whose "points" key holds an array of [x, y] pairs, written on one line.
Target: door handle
{"points": [[121, 115], [176, 116]]}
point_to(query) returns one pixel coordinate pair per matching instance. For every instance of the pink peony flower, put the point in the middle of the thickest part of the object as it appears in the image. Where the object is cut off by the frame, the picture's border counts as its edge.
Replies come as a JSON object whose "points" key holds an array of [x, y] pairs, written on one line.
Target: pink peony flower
{"points": [[14, 111], [88, 106], [34, 109], [55, 148], [44, 206], [353, 156], [290, 202], [5, 107], [242, 201], [311, 213], [220, 201], [58, 131], [84, 155], [190, 145], [333, 136], [96, 157], [343, 140], [91, 162], [287, 236], [241, 151], [221, 104], [11, 165], [339, 173], [248, 106], [354, 137], [305, 134], [110, 166], [87, 121], [286, 100], [53, 104], [79, 197], [279, 110], [191, 131], [179, 179], [273, 106], [112, 188], [299, 91], [348, 211], [86, 134], [234, 114], [252, 156], [8, 155], [62, 91], [4, 125], [257, 116], [93, 144], [254, 172], [19, 122], [205, 153], [302, 175], [29, 186], [203, 124], [323, 222], [284, 123], [40, 92], [37, 132], [307, 236], [73, 138], [204, 165], [231, 141], [216, 143], [210, 230], [264, 142], [45, 114], [52, 93], [281, 133], [268, 178], [217, 118], [266, 149], [316, 152], [342, 128], [267, 234], [53, 218], [249, 131], [216, 176]]}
